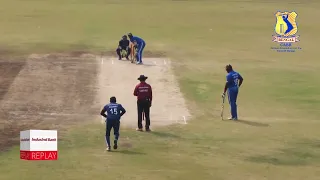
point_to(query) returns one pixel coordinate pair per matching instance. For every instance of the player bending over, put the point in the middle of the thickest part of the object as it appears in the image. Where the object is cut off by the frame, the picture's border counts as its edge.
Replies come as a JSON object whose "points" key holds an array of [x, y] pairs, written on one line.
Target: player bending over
{"points": [[140, 44]]}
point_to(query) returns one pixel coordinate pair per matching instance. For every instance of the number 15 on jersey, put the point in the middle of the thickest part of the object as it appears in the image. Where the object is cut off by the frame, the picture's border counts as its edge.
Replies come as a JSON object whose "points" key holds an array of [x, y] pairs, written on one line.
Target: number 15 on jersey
{"points": [[113, 111]]}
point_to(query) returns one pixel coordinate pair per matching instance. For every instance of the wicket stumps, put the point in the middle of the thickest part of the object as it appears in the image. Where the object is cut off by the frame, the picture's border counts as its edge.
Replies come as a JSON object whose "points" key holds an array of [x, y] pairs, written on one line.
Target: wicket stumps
{"points": [[132, 54]]}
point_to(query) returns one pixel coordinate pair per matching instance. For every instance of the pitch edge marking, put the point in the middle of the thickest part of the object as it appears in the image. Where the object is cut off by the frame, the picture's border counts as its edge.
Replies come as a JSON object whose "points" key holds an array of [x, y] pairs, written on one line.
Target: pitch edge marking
{"points": [[184, 119]]}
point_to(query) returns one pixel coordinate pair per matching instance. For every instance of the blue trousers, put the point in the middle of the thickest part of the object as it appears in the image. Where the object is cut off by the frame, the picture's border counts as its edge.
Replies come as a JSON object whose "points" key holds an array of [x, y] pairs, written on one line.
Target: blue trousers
{"points": [[139, 51], [115, 125], [232, 96]]}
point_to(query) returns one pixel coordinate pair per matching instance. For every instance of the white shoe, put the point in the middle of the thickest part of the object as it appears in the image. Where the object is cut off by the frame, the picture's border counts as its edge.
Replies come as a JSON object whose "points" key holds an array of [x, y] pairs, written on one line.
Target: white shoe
{"points": [[233, 119], [108, 148]]}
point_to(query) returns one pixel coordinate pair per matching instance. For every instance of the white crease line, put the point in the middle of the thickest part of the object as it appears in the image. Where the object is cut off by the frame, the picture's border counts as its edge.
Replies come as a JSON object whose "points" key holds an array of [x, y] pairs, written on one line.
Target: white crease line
{"points": [[101, 60], [155, 62], [184, 119], [164, 61], [112, 62]]}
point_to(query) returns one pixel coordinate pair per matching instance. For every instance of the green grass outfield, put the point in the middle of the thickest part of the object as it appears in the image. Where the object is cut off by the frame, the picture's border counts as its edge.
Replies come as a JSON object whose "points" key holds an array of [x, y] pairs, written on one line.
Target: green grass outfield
{"points": [[279, 100]]}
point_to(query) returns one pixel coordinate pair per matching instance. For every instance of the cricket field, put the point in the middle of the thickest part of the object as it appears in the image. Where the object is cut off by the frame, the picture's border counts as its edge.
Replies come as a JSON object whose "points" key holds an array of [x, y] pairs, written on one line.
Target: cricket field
{"points": [[58, 68]]}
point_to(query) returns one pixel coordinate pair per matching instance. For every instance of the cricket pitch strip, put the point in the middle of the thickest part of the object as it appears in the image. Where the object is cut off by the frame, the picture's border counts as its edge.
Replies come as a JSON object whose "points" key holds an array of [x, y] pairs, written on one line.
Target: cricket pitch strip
{"points": [[119, 77]]}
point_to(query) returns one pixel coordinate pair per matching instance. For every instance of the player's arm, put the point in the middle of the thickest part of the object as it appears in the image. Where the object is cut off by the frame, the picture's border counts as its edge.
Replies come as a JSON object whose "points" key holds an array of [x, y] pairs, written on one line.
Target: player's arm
{"points": [[150, 94], [119, 46], [240, 80], [225, 88], [229, 79], [123, 111], [103, 111], [127, 44], [132, 39], [135, 92]]}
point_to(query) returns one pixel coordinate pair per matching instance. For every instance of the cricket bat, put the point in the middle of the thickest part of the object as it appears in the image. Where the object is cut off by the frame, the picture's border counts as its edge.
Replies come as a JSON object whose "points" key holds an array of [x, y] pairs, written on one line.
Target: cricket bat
{"points": [[222, 107]]}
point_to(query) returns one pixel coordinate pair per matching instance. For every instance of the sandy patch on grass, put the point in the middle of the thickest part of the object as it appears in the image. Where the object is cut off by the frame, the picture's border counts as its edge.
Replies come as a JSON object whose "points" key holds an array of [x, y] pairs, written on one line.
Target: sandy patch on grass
{"points": [[54, 91]]}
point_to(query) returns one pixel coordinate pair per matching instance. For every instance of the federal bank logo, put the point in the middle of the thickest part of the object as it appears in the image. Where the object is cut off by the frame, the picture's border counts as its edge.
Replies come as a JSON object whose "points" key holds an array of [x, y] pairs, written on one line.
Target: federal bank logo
{"points": [[285, 30]]}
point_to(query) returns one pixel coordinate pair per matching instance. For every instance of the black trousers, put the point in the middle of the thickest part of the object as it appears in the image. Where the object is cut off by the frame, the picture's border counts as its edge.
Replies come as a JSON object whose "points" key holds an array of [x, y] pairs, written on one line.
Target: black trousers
{"points": [[143, 107], [113, 124], [127, 49]]}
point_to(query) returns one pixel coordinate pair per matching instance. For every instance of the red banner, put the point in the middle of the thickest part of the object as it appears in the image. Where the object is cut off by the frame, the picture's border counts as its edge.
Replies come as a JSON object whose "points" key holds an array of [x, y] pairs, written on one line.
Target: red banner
{"points": [[39, 155]]}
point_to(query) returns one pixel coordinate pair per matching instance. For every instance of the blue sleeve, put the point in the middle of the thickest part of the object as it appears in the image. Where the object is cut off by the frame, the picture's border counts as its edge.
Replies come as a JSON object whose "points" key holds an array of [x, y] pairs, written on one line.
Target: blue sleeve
{"points": [[240, 77], [139, 40], [133, 39], [105, 108], [121, 108], [229, 79]]}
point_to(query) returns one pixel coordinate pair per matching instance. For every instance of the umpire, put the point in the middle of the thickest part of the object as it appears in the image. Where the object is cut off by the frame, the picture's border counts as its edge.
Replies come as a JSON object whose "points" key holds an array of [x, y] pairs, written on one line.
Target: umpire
{"points": [[143, 91]]}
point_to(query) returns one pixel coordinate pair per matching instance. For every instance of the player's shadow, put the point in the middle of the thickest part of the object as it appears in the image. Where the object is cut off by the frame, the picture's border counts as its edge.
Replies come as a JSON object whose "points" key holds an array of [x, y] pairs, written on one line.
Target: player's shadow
{"points": [[129, 152], [251, 123], [164, 134]]}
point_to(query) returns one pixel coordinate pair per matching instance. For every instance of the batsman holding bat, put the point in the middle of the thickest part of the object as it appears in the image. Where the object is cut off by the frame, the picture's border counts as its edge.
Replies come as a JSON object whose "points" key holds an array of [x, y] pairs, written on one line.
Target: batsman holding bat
{"points": [[234, 81]]}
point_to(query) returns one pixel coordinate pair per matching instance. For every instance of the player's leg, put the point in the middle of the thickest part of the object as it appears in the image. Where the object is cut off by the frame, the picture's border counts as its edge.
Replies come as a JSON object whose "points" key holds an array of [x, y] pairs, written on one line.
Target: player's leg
{"points": [[116, 128], [108, 129], [233, 97], [128, 53], [235, 106], [142, 48], [124, 53], [138, 54], [140, 110], [146, 109], [119, 53], [229, 100]]}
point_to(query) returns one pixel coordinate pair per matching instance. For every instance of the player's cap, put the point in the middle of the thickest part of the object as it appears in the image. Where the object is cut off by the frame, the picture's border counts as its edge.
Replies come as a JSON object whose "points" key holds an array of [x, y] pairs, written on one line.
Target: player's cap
{"points": [[124, 36], [113, 99], [130, 34], [142, 77]]}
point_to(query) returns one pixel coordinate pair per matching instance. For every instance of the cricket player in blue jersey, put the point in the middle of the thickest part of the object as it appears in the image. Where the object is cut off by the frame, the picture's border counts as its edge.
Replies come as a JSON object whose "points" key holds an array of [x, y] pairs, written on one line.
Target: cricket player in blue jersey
{"points": [[114, 112], [234, 81], [140, 43]]}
